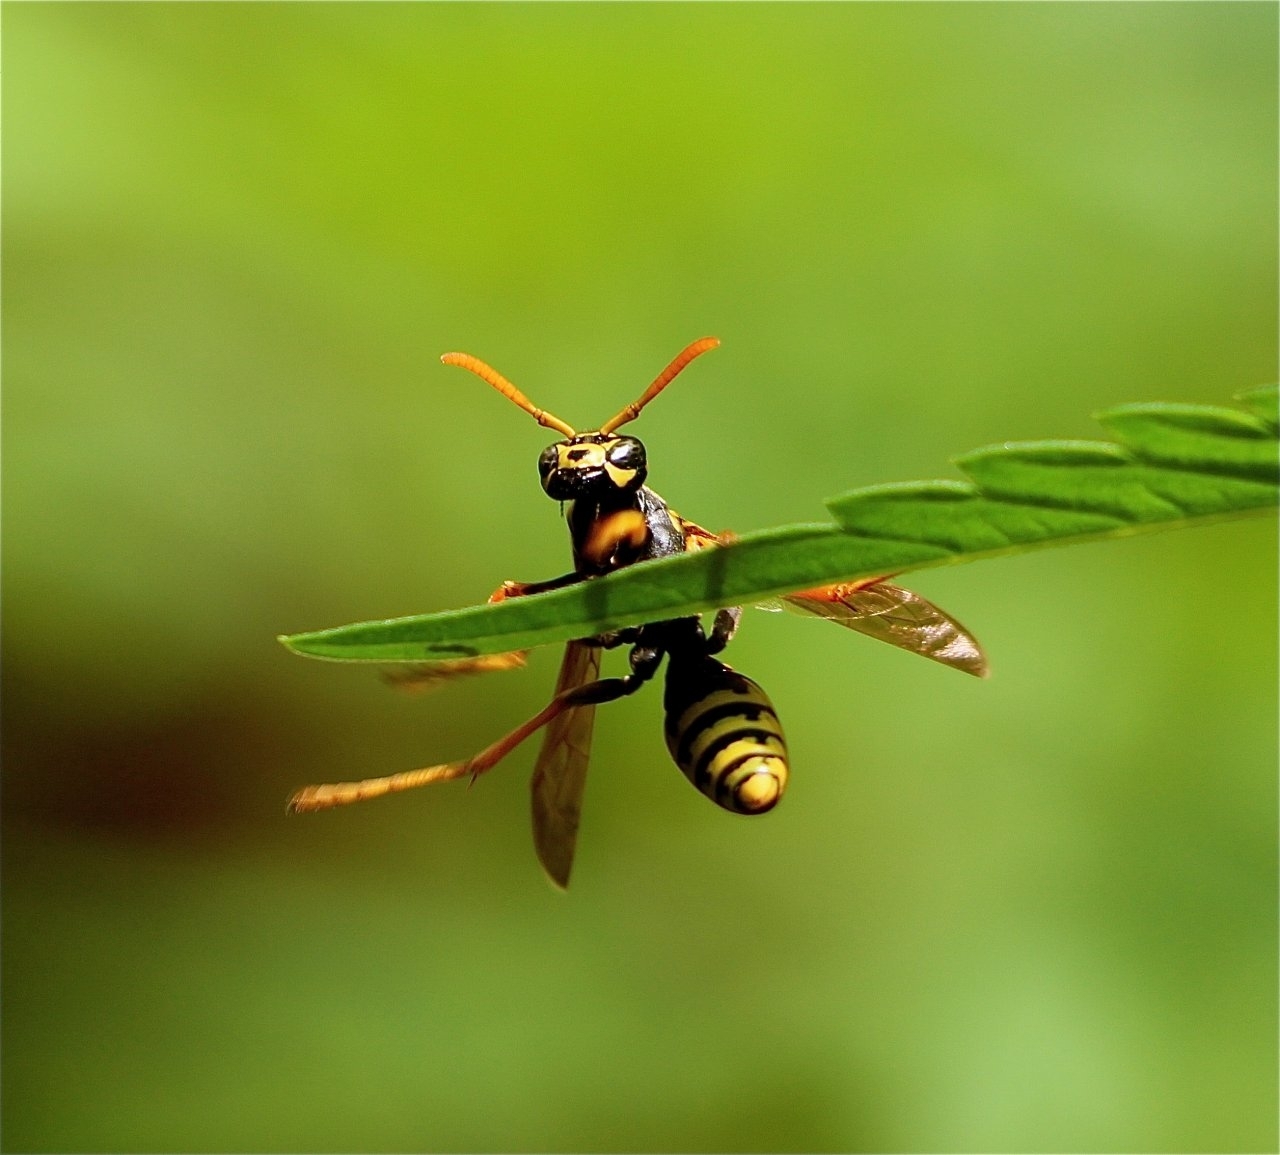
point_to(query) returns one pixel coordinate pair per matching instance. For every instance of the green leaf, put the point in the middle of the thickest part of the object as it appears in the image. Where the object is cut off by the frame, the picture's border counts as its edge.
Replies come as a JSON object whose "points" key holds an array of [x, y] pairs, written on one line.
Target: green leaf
{"points": [[1196, 437], [1265, 402], [1173, 465]]}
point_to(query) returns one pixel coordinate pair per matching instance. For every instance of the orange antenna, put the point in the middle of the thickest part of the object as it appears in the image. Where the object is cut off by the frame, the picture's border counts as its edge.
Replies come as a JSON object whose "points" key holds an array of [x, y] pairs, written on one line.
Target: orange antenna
{"points": [[632, 411], [503, 386]]}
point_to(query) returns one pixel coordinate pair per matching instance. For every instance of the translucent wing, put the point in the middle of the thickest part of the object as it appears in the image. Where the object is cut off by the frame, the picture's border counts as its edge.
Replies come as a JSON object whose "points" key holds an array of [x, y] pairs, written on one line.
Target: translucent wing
{"points": [[875, 608], [897, 616], [561, 771]]}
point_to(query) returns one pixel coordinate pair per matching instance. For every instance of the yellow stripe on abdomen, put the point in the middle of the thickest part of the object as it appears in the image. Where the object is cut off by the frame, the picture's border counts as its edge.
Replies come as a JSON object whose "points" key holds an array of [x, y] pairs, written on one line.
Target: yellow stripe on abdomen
{"points": [[723, 733]]}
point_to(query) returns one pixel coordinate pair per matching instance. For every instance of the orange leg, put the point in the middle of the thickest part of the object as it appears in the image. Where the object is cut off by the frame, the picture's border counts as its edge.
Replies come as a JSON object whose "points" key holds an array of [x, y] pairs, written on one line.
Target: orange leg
{"points": [[521, 589], [422, 677], [330, 794], [840, 590]]}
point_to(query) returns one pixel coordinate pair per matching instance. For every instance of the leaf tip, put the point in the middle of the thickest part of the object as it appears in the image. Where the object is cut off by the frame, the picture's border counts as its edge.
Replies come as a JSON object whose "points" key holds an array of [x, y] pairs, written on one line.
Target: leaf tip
{"points": [[299, 644]]}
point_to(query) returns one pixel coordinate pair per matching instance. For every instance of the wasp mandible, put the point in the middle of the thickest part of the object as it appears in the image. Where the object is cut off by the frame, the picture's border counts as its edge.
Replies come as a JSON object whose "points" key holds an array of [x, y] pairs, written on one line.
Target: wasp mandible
{"points": [[721, 729]]}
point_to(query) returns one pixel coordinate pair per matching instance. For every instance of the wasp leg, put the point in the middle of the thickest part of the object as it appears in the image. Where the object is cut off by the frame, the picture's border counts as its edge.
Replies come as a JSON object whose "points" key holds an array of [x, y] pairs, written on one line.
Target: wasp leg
{"points": [[644, 662], [615, 638], [422, 677], [521, 589], [723, 628]]}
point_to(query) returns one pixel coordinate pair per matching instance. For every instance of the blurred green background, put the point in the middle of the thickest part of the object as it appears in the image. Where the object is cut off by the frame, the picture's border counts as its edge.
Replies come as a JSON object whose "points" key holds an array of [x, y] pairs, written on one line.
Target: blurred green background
{"points": [[1035, 914]]}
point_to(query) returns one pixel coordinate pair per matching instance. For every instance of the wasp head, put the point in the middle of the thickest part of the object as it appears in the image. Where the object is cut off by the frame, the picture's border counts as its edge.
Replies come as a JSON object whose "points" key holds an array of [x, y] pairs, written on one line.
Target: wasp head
{"points": [[592, 465]]}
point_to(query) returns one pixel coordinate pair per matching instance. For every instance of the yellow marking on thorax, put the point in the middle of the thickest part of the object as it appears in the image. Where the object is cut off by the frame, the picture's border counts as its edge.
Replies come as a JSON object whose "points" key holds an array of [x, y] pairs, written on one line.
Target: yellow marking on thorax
{"points": [[608, 534]]}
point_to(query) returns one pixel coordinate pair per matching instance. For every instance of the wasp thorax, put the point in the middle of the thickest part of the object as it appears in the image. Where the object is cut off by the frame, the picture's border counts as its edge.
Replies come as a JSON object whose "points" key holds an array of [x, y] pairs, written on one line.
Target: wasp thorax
{"points": [[592, 465]]}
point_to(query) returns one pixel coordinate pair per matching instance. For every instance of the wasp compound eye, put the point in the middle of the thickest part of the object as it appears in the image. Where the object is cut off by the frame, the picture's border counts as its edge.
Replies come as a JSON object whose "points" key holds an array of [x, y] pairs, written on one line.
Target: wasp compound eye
{"points": [[627, 453], [549, 459]]}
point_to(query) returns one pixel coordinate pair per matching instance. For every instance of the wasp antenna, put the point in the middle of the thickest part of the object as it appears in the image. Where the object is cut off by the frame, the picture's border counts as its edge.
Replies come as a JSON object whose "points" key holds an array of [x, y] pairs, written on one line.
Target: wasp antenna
{"points": [[509, 391], [663, 379]]}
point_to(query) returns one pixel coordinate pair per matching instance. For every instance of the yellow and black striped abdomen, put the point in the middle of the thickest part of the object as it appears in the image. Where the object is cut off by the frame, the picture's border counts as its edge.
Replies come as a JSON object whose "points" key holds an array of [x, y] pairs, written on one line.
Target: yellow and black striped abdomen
{"points": [[723, 733]]}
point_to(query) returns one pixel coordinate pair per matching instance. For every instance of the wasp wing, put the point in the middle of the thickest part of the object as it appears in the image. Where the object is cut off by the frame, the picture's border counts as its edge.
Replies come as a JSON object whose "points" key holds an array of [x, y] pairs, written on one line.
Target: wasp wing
{"points": [[561, 771], [897, 616], [873, 607]]}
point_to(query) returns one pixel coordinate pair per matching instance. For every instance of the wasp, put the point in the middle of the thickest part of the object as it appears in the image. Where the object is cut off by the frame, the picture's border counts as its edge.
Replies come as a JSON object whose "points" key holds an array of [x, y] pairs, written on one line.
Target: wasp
{"points": [[721, 729]]}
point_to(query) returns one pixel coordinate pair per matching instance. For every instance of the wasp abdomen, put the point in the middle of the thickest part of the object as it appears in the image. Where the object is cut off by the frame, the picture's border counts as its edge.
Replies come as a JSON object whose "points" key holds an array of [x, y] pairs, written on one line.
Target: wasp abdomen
{"points": [[723, 733]]}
